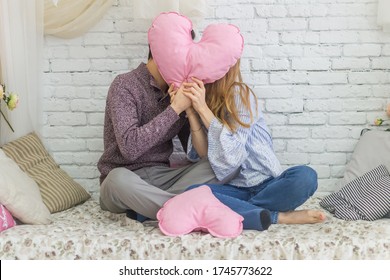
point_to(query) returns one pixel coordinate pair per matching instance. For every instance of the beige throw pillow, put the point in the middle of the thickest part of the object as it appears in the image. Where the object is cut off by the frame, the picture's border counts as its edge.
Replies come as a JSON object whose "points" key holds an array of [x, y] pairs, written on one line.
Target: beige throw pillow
{"points": [[59, 191], [20, 194]]}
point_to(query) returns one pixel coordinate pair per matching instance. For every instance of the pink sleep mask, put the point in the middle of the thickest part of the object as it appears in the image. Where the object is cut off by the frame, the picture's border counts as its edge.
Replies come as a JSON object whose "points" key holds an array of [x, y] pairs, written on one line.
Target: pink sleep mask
{"points": [[179, 58], [199, 210], [6, 219]]}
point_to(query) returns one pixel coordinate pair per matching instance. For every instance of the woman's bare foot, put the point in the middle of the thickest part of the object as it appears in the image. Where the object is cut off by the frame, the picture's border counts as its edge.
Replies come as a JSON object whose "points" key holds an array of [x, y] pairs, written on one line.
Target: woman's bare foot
{"points": [[301, 217]]}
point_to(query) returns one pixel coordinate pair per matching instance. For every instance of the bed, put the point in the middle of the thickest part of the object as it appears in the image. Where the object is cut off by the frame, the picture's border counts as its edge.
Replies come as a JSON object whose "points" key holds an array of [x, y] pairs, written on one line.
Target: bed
{"points": [[87, 232]]}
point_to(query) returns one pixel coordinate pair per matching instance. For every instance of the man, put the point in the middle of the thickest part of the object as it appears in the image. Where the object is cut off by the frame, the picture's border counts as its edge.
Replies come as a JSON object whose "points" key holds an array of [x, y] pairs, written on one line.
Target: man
{"points": [[140, 123]]}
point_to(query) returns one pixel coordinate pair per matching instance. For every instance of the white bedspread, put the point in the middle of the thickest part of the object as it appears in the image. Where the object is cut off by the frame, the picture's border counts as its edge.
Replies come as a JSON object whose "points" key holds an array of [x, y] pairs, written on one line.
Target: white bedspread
{"points": [[86, 232]]}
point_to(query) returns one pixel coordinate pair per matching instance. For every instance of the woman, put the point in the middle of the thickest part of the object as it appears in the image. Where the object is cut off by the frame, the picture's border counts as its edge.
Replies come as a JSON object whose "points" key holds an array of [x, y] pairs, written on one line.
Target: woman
{"points": [[238, 144]]}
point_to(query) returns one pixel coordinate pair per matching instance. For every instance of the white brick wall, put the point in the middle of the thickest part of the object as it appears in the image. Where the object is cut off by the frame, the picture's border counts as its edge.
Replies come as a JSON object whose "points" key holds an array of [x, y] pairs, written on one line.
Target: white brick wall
{"points": [[320, 69]]}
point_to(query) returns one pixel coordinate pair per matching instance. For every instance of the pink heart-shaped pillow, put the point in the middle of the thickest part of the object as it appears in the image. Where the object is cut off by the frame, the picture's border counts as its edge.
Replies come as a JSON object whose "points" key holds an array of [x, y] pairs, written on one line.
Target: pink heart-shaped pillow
{"points": [[198, 210], [179, 58]]}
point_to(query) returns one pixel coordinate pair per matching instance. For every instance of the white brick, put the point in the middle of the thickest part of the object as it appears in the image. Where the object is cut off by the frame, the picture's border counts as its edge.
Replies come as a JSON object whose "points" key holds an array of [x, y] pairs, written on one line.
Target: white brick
{"points": [[85, 105], [289, 78], [300, 37], [373, 36], [381, 90], [252, 51], [322, 51], [57, 131], [347, 118], [290, 105], [56, 52], [135, 38], [343, 23], [310, 64], [330, 132], [88, 131], [102, 39], [255, 78], [386, 50], [289, 132], [362, 50], [87, 52], [362, 105], [57, 79], [382, 63], [273, 91], [270, 64], [235, 11], [92, 78], [126, 25], [323, 105], [70, 65], [368, 77], [56, 105], [352, 9], [350, 91], [293, 158], [338, 37], [307, 10], [261, 38], [86, 158], [306, 146], [103, 26], [308, 118], [350, 63], [82, 171], [312, 91], [328, 158], [267, 11], [66, 145], [287, 24], [282, 51], [276, 119], [62, 118], [96, 118], [109, 64], [319, 78], [341, 145], [337, 171], [253, 26], [279, 145], [95, 145]]}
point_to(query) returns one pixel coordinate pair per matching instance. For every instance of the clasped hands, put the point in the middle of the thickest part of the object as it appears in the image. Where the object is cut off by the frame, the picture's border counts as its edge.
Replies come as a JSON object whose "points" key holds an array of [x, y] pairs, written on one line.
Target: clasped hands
{"points": [[189, 96]]}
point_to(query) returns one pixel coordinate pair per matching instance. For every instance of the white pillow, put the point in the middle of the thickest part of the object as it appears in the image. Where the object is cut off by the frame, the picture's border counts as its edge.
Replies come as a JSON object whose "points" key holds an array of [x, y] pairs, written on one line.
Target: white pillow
{"points": [[20, 194], [372, 150]]}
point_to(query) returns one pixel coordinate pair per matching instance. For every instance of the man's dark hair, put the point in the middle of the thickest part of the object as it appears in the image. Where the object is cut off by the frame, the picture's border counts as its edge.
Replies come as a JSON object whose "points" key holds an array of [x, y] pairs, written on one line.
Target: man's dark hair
{"points": [[150, 56]]}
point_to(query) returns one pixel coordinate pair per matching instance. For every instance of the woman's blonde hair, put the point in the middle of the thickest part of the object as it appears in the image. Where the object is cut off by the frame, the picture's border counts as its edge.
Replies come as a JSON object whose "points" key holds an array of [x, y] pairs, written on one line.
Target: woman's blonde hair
{"points": [[220, 97]]}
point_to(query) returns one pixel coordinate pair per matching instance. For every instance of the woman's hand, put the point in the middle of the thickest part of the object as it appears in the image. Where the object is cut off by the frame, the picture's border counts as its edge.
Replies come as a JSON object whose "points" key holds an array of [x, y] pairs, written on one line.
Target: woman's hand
{"points": [[197, 93]]}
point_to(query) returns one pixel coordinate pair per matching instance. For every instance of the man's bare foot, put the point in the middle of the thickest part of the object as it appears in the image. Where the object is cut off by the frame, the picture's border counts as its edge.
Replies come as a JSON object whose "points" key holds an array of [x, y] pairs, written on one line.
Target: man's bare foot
{"points": [[301, 217]]}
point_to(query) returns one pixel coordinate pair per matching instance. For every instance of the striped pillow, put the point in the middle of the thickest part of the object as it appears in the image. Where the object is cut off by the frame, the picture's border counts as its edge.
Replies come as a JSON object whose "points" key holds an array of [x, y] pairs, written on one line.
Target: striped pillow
{"points": [[58, 190], [365, 198]]}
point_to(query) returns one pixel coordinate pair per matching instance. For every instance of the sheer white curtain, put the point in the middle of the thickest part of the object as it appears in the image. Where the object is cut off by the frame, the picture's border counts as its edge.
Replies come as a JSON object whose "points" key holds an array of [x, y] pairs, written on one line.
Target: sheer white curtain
{"points": [[149, 9], [72, 18], [384, 14], [21, 43]]}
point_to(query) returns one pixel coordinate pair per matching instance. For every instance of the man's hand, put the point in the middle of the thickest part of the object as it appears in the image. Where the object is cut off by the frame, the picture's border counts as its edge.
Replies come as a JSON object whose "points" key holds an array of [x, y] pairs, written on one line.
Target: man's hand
{"points": [[180, 102]]}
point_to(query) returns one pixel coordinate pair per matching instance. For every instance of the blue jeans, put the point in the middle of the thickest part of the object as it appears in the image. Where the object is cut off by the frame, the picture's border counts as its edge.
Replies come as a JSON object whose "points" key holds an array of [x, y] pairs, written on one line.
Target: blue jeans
{"points": [[281, 194]]}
